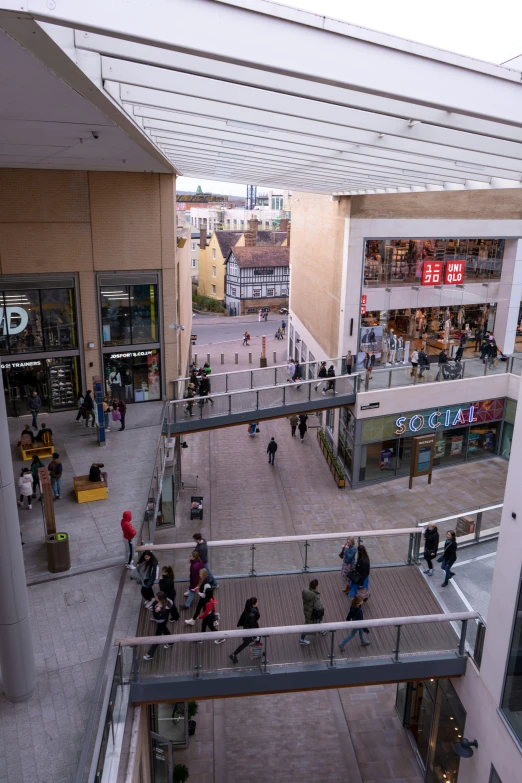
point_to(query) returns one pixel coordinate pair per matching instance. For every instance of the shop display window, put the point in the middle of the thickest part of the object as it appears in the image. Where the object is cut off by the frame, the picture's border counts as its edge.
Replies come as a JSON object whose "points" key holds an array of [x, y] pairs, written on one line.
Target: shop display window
{"points": [[512, 696], [133, 376], [482, 440], [400, 261], [64, 384], [36, 320], [59, 318], [377, 459], [129, 314], [507, 439]]}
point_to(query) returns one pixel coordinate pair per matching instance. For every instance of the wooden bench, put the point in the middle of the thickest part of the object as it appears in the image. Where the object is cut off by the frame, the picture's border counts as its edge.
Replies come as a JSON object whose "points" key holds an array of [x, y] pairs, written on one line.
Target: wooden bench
{"points": [[87, 491], [41, 451]]}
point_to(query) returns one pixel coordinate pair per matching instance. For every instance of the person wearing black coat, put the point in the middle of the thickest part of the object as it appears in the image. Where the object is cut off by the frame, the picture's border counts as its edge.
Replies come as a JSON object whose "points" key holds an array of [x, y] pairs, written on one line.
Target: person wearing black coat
{"points": [[431, 544], [331, 374], [443, 359], [355, 614], [160, 616], [449, 556], [302, 427], [166, 585], [249, 619], [424, 362]]}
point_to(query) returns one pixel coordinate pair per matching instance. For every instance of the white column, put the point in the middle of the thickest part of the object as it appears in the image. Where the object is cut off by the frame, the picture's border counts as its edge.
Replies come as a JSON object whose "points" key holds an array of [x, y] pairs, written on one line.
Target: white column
{"points": [[510, 294]]}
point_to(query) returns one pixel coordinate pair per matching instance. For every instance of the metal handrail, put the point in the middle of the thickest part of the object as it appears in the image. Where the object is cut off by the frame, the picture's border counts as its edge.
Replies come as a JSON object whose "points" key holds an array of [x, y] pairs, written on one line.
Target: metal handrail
{"points": [[284, 630], [465, 512], [402, 531]]}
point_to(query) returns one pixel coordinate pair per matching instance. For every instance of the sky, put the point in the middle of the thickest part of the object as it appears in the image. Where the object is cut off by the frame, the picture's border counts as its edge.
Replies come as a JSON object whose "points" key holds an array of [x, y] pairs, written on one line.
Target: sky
{"points": [[477, 28]]}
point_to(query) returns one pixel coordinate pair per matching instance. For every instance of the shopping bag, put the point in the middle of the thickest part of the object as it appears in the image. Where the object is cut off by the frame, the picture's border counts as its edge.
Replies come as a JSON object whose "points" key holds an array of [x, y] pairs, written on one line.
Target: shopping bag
{"points": [[116, 416]]}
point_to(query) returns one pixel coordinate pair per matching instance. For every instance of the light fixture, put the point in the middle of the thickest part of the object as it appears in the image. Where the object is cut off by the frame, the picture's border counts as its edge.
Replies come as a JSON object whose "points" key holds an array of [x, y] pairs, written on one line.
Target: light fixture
{"points": [[184, 445], [464, 749]]}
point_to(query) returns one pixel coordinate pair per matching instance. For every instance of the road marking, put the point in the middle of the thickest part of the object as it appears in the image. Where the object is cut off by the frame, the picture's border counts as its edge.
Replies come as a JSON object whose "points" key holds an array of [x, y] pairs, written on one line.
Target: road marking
{"points": [[462, 596], [473, 559]]}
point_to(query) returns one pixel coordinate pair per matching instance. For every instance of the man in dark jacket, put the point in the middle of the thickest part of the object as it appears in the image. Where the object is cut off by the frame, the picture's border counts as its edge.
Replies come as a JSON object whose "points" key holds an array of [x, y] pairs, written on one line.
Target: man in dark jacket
{"points": [[424, 362], [88, 406], [35, 404], [45, 435], [313, 608], [443, 359], [55, 473], [431, 545], [271, 450], [122, 407], [331, 374], [202, 550], [321, 374]]}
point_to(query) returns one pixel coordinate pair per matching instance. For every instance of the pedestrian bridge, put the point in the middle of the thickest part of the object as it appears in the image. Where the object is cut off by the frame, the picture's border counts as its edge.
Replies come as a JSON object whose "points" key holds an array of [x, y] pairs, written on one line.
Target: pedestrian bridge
{"points": [[410, 636]]}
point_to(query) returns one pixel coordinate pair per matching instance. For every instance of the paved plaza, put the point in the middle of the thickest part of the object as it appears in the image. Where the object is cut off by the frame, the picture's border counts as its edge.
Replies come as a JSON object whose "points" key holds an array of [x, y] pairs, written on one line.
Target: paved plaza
{"points": [[354, 733]]}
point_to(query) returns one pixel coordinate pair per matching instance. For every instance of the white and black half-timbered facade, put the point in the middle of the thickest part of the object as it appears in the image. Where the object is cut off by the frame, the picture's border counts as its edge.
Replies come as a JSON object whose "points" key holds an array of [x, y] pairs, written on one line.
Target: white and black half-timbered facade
{"points": [[257, 277]]}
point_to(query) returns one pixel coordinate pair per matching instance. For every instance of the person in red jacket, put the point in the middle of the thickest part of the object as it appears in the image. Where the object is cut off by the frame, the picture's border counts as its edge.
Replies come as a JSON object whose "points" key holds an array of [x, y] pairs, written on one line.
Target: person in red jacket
{"points": [[128, 535]]}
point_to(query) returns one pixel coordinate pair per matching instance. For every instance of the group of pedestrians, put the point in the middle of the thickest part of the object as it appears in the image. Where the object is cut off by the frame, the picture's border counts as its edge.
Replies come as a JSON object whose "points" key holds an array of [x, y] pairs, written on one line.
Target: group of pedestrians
{"points": [[325, 377], [198, 386], [448, 557], [29, 480], [299, 422], [114, 409]]}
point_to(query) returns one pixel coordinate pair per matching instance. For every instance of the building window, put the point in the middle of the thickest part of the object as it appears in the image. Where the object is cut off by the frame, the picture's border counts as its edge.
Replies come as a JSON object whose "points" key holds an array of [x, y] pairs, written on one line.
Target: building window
{"points": [[284, 290], [214, 289], [269, 291], [37, 320], [214, 253], [133, 376], [232, 291], [277, 202], [214, 271], [228, 222], [193, 263], [130, 314], [256, 292], [193, 247], [264, 271]]}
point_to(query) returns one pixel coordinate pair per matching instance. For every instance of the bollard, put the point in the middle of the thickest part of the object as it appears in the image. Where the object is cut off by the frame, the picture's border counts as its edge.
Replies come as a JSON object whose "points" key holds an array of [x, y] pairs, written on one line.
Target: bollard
{"points": [[236, 358], [250, 358], [208, 358], [275, 358], [196, 359], [222, 358]]}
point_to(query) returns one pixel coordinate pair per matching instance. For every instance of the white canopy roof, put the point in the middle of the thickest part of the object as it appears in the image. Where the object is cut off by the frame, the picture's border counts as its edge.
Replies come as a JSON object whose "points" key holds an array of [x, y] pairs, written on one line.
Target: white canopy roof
{"points": [[252, 91]]}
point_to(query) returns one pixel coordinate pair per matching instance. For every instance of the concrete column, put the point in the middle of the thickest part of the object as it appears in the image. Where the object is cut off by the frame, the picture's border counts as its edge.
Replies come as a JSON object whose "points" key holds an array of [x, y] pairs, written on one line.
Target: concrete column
{"points": [[16, 643], [510, 294]]}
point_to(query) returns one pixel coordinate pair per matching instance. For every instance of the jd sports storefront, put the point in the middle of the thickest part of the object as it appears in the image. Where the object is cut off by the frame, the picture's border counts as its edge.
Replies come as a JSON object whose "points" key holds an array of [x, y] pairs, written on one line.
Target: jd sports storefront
{"points": [[39, 344]]}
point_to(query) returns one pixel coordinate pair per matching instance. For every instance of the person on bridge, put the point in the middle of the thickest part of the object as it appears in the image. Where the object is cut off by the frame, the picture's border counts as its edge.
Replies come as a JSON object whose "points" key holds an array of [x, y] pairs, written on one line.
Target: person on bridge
{"points": [[330, 375], [313, 608], [129, 534], [321, 374], [195, 567], [348, 554], [204, 588], [271, 450], [148, 570], [431, 544], [449, 556], [294, 421], [160, 615], [296, 377], [303, 418], [249, 619], [360, 576], [246, 338], [204, 389], [349, 362], [188, 396], [355, 614], [166, 585], [291, 369], [202, 550]]}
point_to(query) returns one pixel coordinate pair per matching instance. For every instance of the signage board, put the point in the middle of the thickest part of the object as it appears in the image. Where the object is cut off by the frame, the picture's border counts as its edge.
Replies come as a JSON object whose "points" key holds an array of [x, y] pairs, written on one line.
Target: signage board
{"points": [[422, 455], [13, 320], [447, 417], [454, 272], [431, 273], [371, 406]]}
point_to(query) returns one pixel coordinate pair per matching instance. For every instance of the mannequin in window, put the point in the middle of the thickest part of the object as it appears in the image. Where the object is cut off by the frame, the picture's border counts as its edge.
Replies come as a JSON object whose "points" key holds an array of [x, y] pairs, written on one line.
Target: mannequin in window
{"points": [[384, 357], [115, 383], [447, 327], [400, 348], [392, 347]]}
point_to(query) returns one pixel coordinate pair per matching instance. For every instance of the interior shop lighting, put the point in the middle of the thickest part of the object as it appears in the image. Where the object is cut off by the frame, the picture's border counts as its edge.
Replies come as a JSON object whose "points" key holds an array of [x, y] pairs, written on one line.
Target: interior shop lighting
{"points": [[110, 293]]}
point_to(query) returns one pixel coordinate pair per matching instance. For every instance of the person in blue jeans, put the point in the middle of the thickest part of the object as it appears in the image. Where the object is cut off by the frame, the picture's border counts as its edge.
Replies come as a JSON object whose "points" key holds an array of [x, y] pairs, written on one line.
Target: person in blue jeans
{"points": [[55, 472], [355, 613], [449, 556], [202, 550], [35, 404]]}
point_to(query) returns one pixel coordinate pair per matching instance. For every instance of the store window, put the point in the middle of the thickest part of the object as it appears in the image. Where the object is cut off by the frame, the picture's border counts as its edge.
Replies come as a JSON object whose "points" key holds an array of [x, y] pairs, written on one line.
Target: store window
{"points": [[130, 314], [33, 320], [134, 376], [482, 440], [270, 292], [57, 382], [377, 459], [512, 696]]}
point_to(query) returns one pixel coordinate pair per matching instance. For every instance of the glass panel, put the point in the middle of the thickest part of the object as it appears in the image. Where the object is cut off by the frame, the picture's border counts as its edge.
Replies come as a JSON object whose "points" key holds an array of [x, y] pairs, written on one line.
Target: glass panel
{"points": [[115, 312], [59, 318], [64, 382], [482, 441], [400, 700], [134, 376], [421, 716], [378, 460], [507, 439], [22, 317], [448, 729], [20, 380], [144, 313], [160, 760], [512, 698], [146, 377]]}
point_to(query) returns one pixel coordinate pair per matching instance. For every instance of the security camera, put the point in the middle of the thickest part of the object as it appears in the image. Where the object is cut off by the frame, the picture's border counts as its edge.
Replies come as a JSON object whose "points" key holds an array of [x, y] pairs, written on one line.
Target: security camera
{"points": [[182, 328], [95, 135]]}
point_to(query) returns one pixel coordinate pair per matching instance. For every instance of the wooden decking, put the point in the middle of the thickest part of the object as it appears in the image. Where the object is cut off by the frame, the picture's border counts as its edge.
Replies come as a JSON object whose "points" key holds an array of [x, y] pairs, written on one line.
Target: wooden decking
{"points": [[395, 592]]}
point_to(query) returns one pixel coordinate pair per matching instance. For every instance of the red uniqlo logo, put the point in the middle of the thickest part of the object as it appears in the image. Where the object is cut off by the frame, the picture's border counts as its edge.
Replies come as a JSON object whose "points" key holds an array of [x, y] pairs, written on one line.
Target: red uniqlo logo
{"points": [[454, 272], [432, 273], [363, 299]]}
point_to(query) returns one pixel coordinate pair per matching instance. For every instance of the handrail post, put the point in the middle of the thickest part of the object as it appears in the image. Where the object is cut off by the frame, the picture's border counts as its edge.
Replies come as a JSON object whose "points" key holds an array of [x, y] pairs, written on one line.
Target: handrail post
{"points": [[462, 642], [479, 642], [397, 650], [310, 391], [390, 379], [418, 542], [226, 382], [306, 545], [265, 662], [409, 559], [486, 365], [332, 640], [251, 379], [197, 667], [229, 404], [252, 569], [135, 672], [257, 399], [478, 526], [284, 394]]}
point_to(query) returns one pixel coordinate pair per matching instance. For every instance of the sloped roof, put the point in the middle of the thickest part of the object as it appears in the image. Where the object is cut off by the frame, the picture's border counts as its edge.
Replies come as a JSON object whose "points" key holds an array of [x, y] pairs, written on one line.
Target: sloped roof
{"points": [[227, 240], [271, 237], [264, 255]]}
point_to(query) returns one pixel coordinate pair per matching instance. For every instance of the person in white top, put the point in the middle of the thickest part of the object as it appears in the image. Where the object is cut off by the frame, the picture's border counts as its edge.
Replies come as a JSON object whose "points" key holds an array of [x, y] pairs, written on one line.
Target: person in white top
{"points": [[414, 362], [25, 485], [291, 368]]}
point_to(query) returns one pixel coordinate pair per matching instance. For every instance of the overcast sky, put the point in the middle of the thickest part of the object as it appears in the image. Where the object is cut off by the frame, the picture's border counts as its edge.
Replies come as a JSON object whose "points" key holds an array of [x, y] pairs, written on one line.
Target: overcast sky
{"points": [[477, 28]]}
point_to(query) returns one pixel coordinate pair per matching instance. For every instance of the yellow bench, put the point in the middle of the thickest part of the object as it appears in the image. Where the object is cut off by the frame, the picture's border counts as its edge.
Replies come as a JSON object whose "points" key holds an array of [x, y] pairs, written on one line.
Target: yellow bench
{"points": [[87, 491], [41, 451]]}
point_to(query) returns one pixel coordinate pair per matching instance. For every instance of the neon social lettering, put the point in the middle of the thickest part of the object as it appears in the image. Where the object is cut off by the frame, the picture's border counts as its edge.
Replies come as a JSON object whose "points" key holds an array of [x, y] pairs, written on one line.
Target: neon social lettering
{"points": [[431, 420], [414, 428], [447, 422], [459, 418], [471, 416], [401, 426]]}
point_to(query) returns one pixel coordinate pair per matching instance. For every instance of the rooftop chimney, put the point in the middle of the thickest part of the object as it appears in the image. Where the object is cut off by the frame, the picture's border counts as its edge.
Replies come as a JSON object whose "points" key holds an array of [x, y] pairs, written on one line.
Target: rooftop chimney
{"points": [[250, 239], [202, 238], [253, 225]]}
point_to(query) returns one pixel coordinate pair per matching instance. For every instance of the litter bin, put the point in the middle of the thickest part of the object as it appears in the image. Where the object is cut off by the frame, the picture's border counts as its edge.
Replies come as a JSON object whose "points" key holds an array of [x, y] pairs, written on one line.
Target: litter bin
{"points": [[58, 556]]}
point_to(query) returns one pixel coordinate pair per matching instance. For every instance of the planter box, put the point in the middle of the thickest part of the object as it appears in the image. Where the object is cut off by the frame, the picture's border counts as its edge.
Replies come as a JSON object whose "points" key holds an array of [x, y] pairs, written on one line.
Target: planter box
{"points": [[331, 461]]}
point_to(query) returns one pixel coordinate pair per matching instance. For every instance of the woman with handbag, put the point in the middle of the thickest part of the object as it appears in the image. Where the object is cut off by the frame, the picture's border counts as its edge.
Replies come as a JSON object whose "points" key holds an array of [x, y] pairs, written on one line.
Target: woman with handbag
{"points": [[360, 575], [313, 608], [347, 554], [449, 556], [148, 571]]}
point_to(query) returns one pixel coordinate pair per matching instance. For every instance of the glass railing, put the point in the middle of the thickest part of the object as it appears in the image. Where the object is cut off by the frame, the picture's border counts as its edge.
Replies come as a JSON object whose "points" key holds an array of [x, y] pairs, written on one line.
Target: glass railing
{"points": [[471, 525]]}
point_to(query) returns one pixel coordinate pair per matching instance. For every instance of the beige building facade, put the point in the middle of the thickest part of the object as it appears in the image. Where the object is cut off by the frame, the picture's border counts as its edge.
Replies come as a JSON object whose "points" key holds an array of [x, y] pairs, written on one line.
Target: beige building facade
{"points": [[92, 283]]}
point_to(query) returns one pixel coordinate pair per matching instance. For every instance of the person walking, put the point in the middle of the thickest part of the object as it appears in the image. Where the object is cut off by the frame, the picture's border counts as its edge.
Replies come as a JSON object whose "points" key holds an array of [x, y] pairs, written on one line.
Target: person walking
{"points": [[360, 575], [210, 617], [202, 550], [330, 375], [129, 534], [431, 545], [303, 418], [271, 450], [355, 614], [88, 406], [349, 362], [188, 396], [283, 326], [459, 352], [414, 362], [246, 338], [106, 411], [81, 409], [294, 421], [148, 570], [166, 585], [55, 469], [36, 464], [321, 374], [122, 407], [484, 350], [249, 619], [424, 362], [35, 404], [25, 486], [266, 315], [493, 351], [296, 377], [291, 369], [348, 554], [443, 359], [204, 587], [313, 608], [449, 556], [160, 616], [194, 578]]}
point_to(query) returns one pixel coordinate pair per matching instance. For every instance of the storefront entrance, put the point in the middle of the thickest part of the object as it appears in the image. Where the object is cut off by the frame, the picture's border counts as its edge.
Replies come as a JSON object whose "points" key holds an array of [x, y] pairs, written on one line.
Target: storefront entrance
{"points": [[56, 380]]}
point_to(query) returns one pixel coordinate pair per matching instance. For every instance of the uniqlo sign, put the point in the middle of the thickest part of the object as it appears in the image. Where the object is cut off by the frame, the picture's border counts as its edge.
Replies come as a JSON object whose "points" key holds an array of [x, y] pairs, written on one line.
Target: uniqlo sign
{"points": [[431, 273], [454, 272]]}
